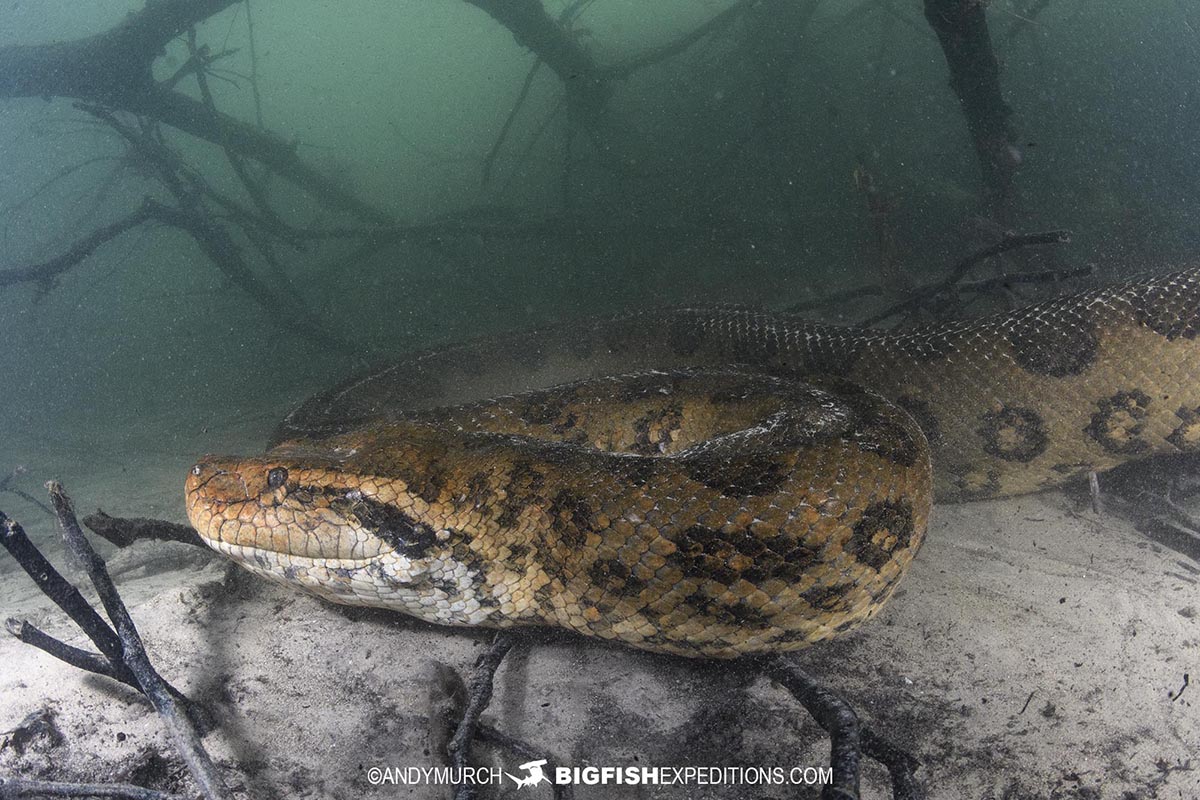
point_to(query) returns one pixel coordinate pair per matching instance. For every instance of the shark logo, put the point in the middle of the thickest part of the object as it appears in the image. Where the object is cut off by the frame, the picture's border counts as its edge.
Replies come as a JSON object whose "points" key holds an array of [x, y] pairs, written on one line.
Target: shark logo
{"points": [[533, 774]]}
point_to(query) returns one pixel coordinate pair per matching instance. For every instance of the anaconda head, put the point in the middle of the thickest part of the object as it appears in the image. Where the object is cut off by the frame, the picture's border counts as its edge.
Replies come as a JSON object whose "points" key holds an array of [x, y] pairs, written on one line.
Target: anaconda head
{"points": [[341, 533]]}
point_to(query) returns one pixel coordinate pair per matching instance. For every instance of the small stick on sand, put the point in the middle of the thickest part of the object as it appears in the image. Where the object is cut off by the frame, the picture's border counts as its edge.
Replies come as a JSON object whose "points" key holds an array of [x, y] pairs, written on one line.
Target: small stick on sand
{"points": [[848, 739], [477, 701], [524, 750], [109, 662], [19, 788], [448, 700], [121, 649], [125, 531], [80, 659], [183, 732]]}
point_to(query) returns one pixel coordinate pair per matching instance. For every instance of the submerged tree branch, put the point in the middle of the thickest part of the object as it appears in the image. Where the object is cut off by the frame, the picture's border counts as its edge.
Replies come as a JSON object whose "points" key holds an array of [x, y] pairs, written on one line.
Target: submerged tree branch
{"points": [[925, 295], [490, 159], [588, 85], [235, 161], [113, 69], [109, 67], [215, 242], [680, 45], [962, 29], [191, 116], [588, 91], [45, 272]]}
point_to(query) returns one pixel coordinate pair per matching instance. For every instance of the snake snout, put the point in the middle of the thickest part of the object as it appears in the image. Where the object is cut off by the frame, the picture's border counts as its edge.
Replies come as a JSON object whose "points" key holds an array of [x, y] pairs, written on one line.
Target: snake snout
{"points": [[256, 508], [215, 480]]}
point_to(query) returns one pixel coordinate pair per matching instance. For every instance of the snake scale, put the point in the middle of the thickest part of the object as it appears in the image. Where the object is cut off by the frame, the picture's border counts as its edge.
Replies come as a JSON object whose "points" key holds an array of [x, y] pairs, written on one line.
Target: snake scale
{"points": [[749, 482]]}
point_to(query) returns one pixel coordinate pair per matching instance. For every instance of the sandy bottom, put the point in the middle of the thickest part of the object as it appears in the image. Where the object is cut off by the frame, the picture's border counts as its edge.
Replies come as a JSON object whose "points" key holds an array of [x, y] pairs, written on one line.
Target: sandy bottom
{"points": [[1035, 651]]}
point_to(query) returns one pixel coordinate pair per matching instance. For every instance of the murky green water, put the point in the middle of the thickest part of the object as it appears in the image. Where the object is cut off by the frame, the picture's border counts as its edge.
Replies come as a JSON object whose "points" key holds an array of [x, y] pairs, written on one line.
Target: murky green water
{"points": [[803, 148]]}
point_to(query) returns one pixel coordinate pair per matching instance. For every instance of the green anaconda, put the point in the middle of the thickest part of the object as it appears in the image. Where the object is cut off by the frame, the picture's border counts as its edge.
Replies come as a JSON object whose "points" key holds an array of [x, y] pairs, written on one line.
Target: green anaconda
{"points": [[748, 482]]}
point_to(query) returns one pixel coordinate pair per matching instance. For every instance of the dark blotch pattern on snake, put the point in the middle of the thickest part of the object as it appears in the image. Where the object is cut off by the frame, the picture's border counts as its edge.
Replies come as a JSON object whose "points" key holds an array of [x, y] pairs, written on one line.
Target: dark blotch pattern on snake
{"points": [[735, 489]]}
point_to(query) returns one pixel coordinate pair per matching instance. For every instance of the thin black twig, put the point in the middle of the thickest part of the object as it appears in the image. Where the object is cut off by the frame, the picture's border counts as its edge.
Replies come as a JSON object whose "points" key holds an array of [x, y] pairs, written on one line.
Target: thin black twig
{"points": [[80, 659], [6, 486], [490, 159], [1026, 19], [849, 740], [196, 61], [934, 291], [14, 788], [121, 656], [235, 161], [526, 751], [1187, 679], [900, 764], [253, 77], [1010, 241], [45, 273], [123, 532], [1014, 278], [659, 54], [133, 655], [835, 299], [478, 697], [59, 589], [967, 287], [448, 701], [833, 714]]}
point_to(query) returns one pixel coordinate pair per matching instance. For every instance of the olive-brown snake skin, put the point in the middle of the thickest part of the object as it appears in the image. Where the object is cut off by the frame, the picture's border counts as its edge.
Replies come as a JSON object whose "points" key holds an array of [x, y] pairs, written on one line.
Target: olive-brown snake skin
{"points": [[741, 486]]}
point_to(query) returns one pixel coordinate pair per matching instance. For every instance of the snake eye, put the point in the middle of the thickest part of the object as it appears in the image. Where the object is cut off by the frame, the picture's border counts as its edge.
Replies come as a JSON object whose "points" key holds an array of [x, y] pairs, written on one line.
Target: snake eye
{"points": [[276, 477]]}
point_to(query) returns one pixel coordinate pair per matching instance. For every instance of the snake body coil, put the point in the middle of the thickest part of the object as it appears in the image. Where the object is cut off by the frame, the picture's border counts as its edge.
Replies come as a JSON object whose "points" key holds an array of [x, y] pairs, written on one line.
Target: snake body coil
{"points": [[734, 490]]}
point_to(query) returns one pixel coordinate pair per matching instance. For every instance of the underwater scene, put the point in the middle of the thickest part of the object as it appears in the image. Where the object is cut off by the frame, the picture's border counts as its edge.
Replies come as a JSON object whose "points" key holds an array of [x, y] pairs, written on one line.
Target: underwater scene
{"points": [[600, 399]]}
